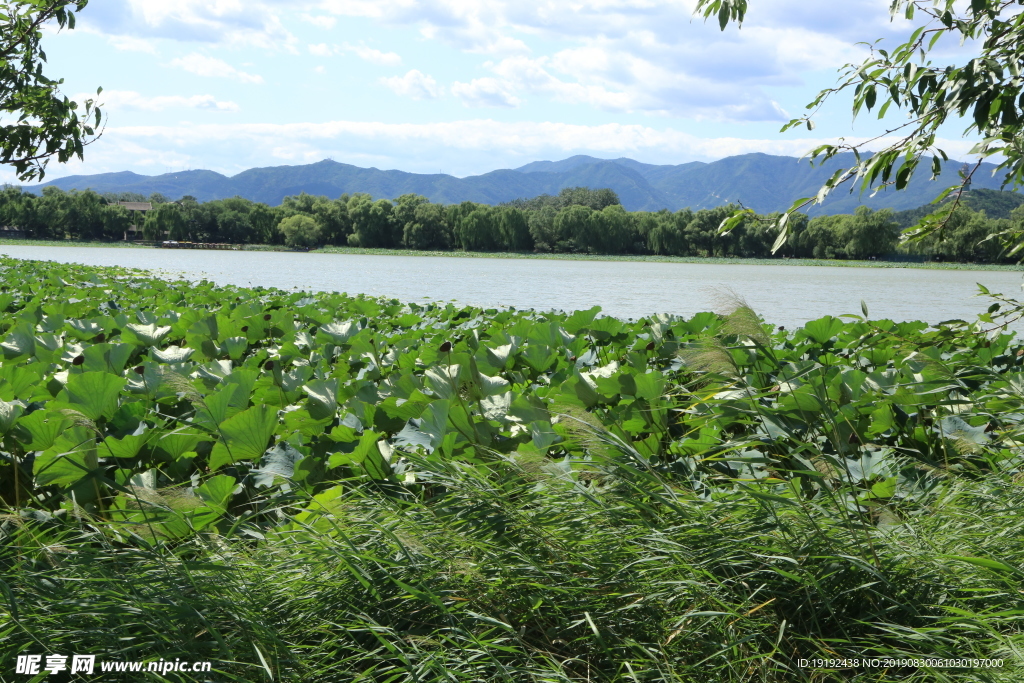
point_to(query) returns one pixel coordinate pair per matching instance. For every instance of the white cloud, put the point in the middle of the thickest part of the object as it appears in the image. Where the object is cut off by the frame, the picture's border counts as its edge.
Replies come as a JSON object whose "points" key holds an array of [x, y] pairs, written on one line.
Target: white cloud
{"points": [[414, 84], [223, 22], [321, 49], [320, 20], [211, 67], [132, 44], [485, 92], [650, 56], [129, 99], [373, 55]]}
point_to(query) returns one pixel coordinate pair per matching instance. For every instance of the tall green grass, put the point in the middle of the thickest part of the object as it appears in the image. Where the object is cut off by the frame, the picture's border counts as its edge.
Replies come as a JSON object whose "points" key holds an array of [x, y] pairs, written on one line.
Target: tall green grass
{"points": [[518, 572]]}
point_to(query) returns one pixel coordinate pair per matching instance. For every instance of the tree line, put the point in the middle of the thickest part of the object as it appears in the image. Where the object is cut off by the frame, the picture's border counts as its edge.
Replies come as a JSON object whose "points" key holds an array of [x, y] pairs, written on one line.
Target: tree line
{"points": [[578, 220]]}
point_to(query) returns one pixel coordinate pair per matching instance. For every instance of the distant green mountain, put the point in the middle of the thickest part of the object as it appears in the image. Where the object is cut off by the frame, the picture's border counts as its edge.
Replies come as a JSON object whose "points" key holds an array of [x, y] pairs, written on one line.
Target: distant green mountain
{"points": [[761, 182]]}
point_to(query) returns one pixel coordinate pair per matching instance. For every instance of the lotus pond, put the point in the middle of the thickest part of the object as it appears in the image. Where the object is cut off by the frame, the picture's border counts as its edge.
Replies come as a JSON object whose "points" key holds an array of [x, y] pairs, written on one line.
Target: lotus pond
{"points": [[322, 487]]}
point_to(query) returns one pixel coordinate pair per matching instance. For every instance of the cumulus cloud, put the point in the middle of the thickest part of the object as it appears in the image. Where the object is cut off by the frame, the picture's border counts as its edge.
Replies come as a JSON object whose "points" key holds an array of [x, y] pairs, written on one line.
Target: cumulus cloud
{"points": [[321, 20], [373, 55], [414, 84], [223, 22], [321, 49], [485, 92], [211, 67], [131, 100], [649, 56], [132, 44]]}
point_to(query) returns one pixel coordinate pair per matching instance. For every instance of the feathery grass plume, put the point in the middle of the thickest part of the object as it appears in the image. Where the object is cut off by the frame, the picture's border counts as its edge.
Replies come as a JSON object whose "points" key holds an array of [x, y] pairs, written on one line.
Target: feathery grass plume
{"points": [[80, 420], [711, 355], [739, 318], [708, 356], [180, 385], [583, 427]]}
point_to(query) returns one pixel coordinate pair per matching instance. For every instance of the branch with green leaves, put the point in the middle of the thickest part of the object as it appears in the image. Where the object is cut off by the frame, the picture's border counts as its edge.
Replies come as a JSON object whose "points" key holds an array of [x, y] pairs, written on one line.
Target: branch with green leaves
{"points": [[987, 91], [38, 122]]}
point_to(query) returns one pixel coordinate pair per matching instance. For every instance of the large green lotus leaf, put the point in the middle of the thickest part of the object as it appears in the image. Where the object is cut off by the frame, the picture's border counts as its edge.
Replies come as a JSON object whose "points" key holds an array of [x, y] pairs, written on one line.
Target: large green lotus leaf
{"points": [[302, 422], [145, 335], [215, 371], [338, 332], [39, 430], [9, 414], [823, 329], [604, 329], [323, 397], [543, 435], [234, 347], [244, 436], [172, 354], [649, 385], [217, 492], [24, 382], [48, 348], [580, 390], [277, 462], [427, 431], [19, 342], [498, 357], [204, 328], [496, 406], [620, 383], [538, 356], [85, 329], [245, 378], [217, 407], [405, 409], [366, 453], [463, 422], [528, 409], [181, 441], [580, 320], [151, 382], [803, 400], [71, 457], [486, 385], [956, 428], [94, 394], [127, 419], [441, 379], [107, 357], [407, 320], [129, 446]]}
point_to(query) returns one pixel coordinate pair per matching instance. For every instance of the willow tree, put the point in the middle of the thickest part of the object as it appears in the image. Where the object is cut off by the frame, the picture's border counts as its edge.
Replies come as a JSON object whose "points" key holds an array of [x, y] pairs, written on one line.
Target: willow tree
{"points": [[986, 92], [37, 122]]}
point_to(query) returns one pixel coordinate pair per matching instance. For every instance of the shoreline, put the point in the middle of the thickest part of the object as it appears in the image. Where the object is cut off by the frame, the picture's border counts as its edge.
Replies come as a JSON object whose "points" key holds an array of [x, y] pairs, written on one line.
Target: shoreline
{"points": [[711, 260]]}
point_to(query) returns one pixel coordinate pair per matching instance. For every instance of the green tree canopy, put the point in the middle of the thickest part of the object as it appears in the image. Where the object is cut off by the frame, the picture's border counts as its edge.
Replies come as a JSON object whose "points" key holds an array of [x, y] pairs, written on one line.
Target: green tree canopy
{"points": [[37, 122], [300, 231]]}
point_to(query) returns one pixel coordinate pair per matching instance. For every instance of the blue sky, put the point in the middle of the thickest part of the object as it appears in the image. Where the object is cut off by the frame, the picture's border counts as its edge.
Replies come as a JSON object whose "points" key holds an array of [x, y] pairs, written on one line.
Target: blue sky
{"points": [[459, 86]]}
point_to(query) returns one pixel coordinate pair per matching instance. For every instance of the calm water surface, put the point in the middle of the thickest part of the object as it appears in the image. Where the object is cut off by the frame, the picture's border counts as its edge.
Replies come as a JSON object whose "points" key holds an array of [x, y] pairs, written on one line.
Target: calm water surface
{"points": [[784, 295]]}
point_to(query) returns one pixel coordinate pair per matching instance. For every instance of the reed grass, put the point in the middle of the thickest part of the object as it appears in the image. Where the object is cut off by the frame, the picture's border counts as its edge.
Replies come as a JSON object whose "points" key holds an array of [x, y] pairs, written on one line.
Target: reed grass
{"points": [[519, 573]]}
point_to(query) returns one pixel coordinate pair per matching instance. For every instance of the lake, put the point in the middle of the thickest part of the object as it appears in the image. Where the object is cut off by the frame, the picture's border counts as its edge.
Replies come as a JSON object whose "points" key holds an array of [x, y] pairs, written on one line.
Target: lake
{"points": [[783, 295]]}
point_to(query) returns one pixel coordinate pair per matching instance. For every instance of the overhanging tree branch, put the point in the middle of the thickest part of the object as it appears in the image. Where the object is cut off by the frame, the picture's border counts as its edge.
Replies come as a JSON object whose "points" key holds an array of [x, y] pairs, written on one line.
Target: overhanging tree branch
{"points": [[42, 124], [988, 90]]}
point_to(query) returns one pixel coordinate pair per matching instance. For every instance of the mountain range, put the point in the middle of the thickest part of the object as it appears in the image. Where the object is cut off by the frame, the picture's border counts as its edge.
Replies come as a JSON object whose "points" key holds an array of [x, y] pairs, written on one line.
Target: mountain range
{"points": [[761, 182]]}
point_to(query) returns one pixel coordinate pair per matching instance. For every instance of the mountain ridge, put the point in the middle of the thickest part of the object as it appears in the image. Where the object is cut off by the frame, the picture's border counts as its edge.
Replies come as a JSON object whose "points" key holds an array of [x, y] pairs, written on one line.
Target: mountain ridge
{"points": [[763, 182]]}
